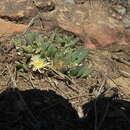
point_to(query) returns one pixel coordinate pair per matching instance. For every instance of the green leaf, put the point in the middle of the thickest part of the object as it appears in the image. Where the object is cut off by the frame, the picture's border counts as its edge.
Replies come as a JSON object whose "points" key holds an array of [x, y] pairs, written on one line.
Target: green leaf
{"points": [[52, 51], [74, 71], [44, 49], [31, 37], [84, 72], [79, 55], [28, 49], [22, 67], [71, 43], [17, 41], [39, 40], [75, 56]]}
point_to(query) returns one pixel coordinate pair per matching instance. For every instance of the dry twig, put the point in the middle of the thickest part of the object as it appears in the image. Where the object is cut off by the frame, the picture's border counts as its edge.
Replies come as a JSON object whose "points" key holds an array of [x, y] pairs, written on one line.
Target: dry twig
{"points": [[31, 23]]}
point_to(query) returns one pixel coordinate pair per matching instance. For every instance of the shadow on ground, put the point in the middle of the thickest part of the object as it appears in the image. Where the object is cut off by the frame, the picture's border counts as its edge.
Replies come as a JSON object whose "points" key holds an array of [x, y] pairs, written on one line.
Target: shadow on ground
{"points": [[45, 110]]}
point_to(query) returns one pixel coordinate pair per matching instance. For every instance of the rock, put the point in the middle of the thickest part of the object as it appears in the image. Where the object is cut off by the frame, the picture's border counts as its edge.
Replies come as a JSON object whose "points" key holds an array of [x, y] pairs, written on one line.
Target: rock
{"points": [[17, 9], [94, 21], [10, 28], [44, 5]]}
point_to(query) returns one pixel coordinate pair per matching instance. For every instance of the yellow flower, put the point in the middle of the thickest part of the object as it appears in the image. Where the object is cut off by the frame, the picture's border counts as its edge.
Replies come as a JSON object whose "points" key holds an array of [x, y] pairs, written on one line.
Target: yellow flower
{"points": [[37, 62]]}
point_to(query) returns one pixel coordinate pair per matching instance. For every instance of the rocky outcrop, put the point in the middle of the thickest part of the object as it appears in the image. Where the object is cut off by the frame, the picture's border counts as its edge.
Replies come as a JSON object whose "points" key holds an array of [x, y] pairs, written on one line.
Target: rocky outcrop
{"points": [[94, 21]]}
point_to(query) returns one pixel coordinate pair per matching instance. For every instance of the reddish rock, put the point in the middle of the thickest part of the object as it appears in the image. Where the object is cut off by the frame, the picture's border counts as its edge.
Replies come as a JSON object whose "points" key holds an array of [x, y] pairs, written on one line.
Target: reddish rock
{"points": [[94, 21], [15, 10], [103, 35], [10, 28], [20, 11]]}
